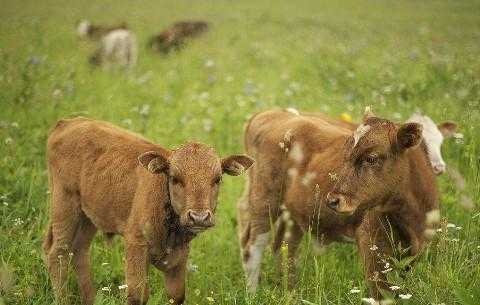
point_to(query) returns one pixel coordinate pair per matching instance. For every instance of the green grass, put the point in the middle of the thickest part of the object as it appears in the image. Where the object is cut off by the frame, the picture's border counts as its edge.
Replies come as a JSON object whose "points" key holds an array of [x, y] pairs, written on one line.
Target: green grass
{"points": [[331, 56]]}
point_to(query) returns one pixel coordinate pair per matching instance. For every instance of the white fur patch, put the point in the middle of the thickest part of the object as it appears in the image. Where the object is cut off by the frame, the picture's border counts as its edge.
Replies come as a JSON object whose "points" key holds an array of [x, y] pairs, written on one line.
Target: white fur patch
{"points": [[359, 133], [308, 177], [252, 265], [296, 153], [292, 172], [432, 217], [293, 110]]}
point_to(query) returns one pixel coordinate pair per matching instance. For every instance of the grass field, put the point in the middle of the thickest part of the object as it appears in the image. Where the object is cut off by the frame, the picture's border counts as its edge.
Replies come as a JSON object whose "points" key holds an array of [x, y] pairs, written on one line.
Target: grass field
{"points": [[330, 56]]}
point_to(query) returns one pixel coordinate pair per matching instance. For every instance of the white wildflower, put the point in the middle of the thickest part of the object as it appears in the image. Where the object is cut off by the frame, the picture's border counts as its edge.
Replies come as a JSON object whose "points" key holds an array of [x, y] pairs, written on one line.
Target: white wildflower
{"points": [[393, 288], [370, 301], [374, 248], [451, 225], [106, 289], [124, 286], [355, 290], [405, 296]]}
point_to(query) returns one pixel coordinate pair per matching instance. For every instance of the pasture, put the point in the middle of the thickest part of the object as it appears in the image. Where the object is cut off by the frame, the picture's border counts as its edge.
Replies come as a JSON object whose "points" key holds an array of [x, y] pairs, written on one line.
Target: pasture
{"points": [[329, 56]]}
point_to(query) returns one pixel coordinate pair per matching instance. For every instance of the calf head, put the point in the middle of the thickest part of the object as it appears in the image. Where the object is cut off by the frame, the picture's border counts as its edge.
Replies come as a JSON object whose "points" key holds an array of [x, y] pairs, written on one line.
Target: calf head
{"points": [[194, 172], [375, 164], [434, 135]]}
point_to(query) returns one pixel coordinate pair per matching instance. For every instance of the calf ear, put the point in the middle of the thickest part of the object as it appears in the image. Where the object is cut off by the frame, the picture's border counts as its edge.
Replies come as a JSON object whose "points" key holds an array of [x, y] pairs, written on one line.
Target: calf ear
{"points": [[409, 135], [155, 162], [235, 165], [367, 114], [447, 129]]}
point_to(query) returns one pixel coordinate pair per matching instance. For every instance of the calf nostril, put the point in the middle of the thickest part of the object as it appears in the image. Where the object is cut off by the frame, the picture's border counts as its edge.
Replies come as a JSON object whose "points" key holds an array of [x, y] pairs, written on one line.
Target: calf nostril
{"points": [[333, 202], [199, 217]]}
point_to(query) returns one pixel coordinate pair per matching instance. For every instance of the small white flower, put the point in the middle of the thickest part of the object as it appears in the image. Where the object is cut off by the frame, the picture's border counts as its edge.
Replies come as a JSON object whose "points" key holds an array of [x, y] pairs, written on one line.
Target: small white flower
{"points": [[393, 288], [209, 64], [106, 289], [439, 230], [451, 225], [124, 286], [355, 290], [374, 248], [370, 301], [405, 296], [387, 270]]}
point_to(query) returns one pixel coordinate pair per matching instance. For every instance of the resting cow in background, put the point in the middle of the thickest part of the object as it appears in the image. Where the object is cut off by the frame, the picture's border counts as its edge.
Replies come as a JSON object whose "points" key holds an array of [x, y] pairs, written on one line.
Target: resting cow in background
{"points": [[116, 48], [176, 36], [116, 45], [339, 185], [105, 178]]}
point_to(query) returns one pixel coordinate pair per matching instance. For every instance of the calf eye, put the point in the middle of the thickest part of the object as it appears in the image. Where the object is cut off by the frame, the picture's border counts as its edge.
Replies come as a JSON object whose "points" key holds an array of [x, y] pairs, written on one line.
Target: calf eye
{"points": [[217, 180], [371, 159], [176, 181]]}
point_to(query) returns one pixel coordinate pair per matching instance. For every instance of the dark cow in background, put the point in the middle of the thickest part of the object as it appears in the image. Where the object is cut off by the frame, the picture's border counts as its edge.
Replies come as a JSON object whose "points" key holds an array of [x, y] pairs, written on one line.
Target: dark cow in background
{"points": [[339, 185], [176, 36]]}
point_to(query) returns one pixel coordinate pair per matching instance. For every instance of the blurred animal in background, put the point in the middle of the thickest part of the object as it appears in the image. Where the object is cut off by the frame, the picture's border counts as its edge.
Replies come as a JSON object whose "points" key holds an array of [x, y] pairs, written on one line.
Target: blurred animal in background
{"points": [[86, 29], [116, 44], [175, 37], [117, 48], [434, 135]]}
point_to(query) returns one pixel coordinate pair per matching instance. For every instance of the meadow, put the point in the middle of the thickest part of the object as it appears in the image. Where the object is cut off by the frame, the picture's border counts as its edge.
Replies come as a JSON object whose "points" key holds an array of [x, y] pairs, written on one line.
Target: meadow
{"points": [[330, 56]]}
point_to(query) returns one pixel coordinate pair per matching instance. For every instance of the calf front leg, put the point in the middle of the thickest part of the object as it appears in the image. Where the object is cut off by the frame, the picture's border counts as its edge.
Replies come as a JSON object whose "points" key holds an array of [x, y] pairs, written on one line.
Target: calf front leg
{"points": [[175, 283], [374, 244], [137, 273]]}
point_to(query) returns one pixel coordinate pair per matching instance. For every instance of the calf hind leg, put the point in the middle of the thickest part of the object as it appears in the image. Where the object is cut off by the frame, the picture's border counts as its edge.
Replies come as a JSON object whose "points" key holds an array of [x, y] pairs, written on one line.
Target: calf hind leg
{"points": [[81, 259], [65, 216]]}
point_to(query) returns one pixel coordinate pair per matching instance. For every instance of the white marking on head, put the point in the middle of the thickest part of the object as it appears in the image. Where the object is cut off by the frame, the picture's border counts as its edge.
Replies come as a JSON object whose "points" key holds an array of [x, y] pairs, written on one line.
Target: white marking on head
{"points": [[252, 265], [360, 132], [308, 177], [293, 110], [433, 140], [83, 27], [296, 153]]}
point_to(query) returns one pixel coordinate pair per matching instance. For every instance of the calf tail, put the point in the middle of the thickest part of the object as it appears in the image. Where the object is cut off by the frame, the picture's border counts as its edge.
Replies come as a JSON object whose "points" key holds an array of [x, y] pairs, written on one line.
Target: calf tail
{"points": [[279, 235], [48, 240]]}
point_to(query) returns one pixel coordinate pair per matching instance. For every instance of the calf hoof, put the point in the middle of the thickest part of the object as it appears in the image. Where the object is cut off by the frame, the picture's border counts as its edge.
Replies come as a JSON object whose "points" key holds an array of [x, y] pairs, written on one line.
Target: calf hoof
{"points": [[135, 301]]}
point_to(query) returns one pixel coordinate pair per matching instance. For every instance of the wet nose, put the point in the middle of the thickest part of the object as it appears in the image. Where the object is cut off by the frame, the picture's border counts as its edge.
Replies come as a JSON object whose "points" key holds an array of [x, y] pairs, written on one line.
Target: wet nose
{"points": [[438, 168], [200, 217], [333, 201]]}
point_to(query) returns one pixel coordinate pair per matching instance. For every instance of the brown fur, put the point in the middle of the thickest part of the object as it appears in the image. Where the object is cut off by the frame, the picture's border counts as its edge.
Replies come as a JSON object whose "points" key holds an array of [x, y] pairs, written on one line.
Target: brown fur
{"points": [[108, 179], [176, 36], [384, 185]]}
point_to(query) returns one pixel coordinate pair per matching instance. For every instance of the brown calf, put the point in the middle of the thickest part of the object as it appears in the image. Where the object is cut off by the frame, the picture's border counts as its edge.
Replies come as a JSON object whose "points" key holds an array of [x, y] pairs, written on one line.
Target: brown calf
{"points": [[105, 178], [339, 185], [175, 37]]}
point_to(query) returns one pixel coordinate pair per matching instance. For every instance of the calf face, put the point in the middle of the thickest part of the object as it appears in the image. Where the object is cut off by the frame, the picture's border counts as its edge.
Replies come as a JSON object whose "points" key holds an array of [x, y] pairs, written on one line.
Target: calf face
{"points": [[434, 135], [374, 165], [194, 174]]}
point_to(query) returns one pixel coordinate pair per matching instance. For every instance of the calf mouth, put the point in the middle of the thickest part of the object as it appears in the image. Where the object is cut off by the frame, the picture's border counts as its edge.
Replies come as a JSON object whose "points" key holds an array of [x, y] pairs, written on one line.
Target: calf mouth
{"points": [[198, 229]]}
